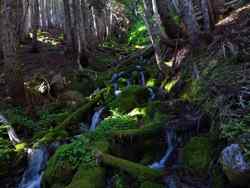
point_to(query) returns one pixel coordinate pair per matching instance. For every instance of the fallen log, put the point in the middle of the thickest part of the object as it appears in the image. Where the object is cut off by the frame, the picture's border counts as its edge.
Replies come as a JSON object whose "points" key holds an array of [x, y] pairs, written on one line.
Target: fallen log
{"points": [[134, 169]]}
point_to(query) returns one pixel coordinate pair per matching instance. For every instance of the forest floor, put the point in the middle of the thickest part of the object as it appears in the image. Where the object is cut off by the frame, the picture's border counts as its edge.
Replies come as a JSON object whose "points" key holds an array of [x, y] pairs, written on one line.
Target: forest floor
{"points": [[224, 69]]}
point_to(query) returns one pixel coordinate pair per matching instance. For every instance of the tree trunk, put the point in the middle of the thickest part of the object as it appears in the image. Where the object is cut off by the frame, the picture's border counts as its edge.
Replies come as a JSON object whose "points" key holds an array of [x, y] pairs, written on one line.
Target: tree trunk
{"points": [[35, 24], [13, 73], [206, 16], [192, 27]]}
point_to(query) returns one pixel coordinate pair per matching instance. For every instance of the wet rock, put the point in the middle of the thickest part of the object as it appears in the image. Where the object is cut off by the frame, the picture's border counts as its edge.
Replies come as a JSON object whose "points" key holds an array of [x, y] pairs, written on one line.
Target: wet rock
{"points": [[235, 166]]}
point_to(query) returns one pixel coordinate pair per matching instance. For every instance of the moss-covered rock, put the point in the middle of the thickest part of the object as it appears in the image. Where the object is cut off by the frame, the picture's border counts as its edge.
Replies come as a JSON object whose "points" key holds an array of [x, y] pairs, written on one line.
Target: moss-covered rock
{"points": [[134, 96], [87, 177], [64, 163], [197, 155]]}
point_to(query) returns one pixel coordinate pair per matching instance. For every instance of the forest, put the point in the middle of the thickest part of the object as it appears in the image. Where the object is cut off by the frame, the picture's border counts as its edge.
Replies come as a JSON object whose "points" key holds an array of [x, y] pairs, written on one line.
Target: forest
{"points": [[125, 93]]}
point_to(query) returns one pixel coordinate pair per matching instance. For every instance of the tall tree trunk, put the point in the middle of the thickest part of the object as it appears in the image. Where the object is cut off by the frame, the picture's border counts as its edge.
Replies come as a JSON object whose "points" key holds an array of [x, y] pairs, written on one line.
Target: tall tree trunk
{"points": [[154, 29], [68, 27], [35, 24], [13, 73], [192, 27], [206, 16]]}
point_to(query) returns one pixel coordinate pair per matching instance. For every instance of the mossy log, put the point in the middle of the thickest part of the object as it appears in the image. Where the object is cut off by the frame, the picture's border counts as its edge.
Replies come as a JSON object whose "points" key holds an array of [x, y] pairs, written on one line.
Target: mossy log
{"points": [[145, 132], [78, 115], [134, 169]]}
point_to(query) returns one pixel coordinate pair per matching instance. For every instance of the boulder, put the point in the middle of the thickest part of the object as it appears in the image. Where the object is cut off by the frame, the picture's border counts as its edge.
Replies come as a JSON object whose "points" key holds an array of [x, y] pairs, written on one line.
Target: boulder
{"points": [[235, 166]]}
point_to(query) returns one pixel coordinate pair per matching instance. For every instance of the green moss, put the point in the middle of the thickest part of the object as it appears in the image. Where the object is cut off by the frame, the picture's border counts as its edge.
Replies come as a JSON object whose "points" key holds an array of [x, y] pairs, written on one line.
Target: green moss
{"points": [[134, 169], [148, 184], [195, 91], [169, 85], [152, 82], [198, 154], [65, 162], [52, 135], [88, 178], [132, 97]]}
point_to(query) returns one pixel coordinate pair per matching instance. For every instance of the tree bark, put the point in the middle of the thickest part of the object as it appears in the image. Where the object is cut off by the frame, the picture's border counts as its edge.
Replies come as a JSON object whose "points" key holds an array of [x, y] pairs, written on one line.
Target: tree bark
{"points": [[13, 73]]}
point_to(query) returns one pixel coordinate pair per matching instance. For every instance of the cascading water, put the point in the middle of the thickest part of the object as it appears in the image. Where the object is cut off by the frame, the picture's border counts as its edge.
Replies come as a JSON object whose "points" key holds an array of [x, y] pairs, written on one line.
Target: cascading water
{"points": [[96, 119], [152, 94], [11, 132], [171, 144], [12, 136], [33, 174], [143, 83]]}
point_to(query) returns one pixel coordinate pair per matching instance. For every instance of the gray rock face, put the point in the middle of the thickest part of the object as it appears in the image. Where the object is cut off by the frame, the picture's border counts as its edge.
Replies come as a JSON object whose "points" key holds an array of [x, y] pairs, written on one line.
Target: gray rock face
{"points": [[235, 166]]}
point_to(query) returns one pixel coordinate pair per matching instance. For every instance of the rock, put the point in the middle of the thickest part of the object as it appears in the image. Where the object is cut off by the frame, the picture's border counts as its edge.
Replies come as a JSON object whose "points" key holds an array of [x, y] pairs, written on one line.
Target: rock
{"points": [[58, 83], [236, 168]]}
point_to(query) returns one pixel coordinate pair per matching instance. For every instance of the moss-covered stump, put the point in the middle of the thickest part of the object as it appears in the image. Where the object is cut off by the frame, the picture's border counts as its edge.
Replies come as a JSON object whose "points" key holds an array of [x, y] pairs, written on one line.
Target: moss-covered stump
{"points": [[132, 97], [88, 177], [197, 155], [136, 170]]}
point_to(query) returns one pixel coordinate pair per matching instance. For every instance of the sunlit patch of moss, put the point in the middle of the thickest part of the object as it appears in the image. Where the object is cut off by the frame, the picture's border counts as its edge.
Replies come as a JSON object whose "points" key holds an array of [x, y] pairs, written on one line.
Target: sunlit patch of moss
{"points": [[151, 82], [20, 147], [168, 86], [138, 112], [138, 34]]}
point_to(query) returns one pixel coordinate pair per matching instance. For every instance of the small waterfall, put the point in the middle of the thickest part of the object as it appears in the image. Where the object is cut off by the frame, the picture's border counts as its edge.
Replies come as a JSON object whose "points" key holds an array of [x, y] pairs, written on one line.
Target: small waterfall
{"points": [[171, 139], [114, 81], [12, 136], [33, 174], [152, 94], [143, 83], [96, 119], [11, 132]]}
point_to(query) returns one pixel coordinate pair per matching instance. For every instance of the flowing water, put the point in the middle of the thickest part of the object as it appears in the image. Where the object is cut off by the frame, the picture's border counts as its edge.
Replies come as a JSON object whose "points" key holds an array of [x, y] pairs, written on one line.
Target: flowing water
{"points": [[33, 174], [12, 136], [96, 118], [152, 94], [10, 130], [143, 82], [171, 143]]}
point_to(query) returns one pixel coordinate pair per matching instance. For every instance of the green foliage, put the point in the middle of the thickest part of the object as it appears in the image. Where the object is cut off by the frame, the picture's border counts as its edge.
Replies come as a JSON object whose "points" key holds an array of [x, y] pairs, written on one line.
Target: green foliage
{"points": [[234, 128], [6, 150], [197, 154], [17, 117], [77, 152], [115, 122], [138, 34]]}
